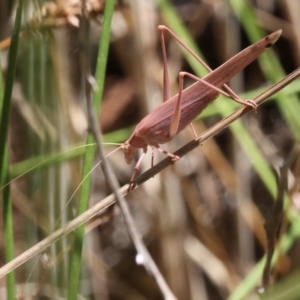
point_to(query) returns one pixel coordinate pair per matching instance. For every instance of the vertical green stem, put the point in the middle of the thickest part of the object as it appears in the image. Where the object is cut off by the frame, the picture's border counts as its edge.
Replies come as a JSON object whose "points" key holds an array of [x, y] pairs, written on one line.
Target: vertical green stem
{"points": [[4, 164], [75, 266]]}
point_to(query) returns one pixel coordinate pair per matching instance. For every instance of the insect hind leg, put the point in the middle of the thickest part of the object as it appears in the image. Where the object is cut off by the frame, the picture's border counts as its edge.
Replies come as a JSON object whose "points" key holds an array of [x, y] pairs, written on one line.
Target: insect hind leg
{"points": [[230, 92]]}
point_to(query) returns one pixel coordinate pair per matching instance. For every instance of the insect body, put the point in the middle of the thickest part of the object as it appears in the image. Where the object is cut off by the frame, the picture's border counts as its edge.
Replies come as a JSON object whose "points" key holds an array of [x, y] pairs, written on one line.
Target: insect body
{"points": [[160, 126]]}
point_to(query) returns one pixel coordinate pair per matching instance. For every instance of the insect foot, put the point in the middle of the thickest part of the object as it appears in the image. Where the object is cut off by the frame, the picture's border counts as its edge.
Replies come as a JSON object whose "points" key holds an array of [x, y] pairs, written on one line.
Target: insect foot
{"points": [[131, 186], [175, 158], [251, 104]]}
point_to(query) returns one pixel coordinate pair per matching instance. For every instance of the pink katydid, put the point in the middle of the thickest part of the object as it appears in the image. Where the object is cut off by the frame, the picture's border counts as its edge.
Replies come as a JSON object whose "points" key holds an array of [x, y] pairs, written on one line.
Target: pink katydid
{"points": [[175, 113]]}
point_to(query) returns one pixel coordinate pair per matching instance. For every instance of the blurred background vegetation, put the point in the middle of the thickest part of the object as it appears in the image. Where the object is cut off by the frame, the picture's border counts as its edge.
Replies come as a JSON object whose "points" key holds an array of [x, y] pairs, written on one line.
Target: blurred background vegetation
{"points": [[208, 220]]}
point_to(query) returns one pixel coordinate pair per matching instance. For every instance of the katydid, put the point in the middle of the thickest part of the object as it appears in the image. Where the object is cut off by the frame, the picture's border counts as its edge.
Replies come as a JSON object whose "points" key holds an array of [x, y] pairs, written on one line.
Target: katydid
{"points": [[175, 113]]}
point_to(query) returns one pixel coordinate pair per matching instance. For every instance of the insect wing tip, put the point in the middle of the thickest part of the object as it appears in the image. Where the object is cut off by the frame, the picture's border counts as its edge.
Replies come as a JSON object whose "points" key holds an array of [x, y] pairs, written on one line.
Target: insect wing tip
{"points": [[273, 37]]}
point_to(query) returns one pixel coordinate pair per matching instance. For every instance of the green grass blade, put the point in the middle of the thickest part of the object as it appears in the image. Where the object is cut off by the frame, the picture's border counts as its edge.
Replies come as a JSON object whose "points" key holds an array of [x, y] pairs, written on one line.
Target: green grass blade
{"points": [[90, 152], [12, 61], [4, 169], [46, 160], [7, 214]]}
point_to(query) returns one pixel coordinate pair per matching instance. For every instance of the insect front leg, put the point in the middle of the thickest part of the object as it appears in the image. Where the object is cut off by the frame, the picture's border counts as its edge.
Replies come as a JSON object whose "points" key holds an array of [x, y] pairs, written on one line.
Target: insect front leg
{"points": [[136, 168]]}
